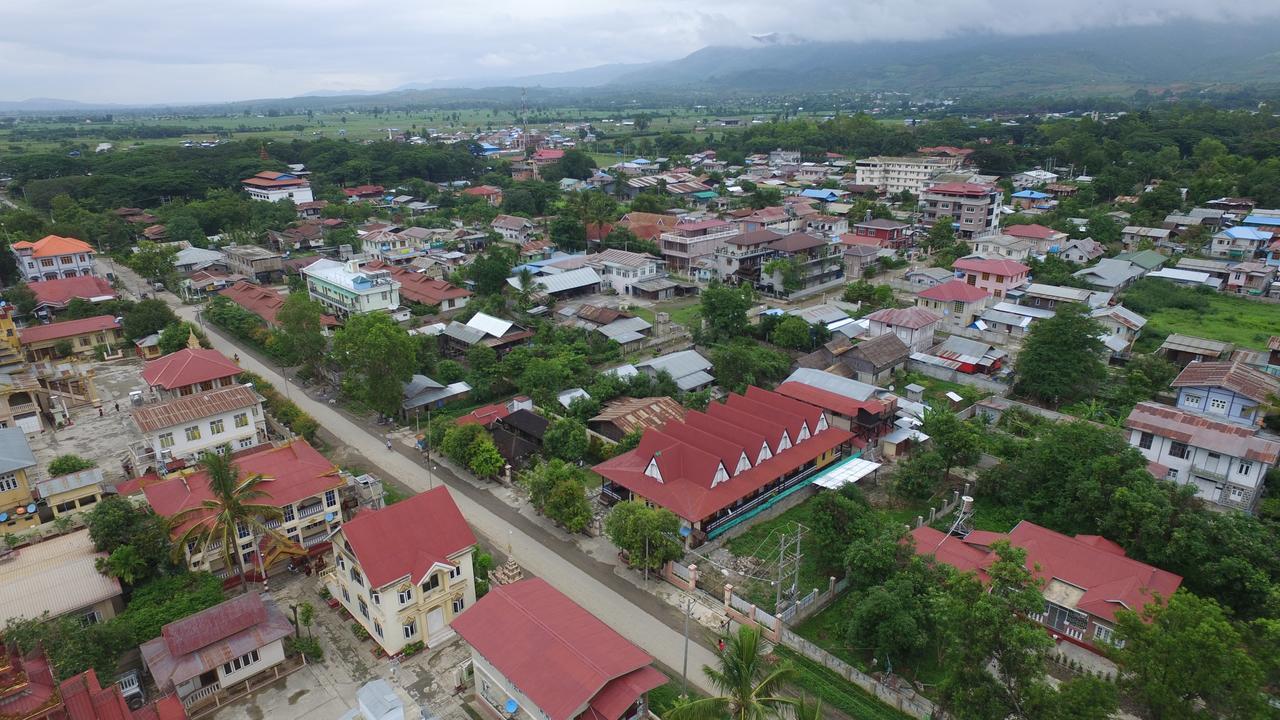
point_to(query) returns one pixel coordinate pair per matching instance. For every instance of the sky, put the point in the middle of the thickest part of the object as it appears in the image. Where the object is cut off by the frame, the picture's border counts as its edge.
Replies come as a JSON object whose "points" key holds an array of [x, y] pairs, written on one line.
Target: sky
{"points": [[187, 51]]}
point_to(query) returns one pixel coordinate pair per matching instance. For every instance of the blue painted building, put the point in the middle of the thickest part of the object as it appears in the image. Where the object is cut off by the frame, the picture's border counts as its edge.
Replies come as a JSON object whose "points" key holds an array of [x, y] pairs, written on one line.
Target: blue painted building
{"points": [[1228, 391]]}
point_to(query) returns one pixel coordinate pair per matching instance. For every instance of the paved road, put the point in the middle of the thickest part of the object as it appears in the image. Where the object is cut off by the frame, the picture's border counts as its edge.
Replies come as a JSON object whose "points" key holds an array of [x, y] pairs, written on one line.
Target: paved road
{"points": [[637, 615]]}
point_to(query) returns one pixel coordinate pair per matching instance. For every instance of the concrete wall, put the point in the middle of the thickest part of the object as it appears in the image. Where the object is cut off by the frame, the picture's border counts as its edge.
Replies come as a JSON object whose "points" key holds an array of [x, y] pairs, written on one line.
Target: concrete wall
{"points": [[979, 381]]}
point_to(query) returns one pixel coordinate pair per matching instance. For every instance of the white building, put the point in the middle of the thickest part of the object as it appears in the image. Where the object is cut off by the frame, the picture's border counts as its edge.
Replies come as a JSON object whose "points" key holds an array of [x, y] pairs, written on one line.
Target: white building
{"points": [[186, 427], [621, 269], [277, 187], [1033, 178], [346, 289], [1226, 463], [895, 174], [52, 257]]}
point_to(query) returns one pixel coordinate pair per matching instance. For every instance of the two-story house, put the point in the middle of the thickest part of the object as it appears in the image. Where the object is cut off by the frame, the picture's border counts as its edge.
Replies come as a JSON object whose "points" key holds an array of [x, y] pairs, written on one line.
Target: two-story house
{"points": [[186, 427], [887, 233], [1122, 327], [1135, 237], [1240, 243], [52, 257], [741, 257], [1049, 297], [958, 302], [512, 228], [1225, 462], [270, 186], [688, 242], [997, 277], [346, 289], [423, 289], [914, 326], [491, 194], [17, 470], [405, 571], [1251, 278], [258, 263], [538, 655], [82, 338], [217, 648], [1230, 391], [1003, 247], [296, 479], [622, 269], [189, 371]]}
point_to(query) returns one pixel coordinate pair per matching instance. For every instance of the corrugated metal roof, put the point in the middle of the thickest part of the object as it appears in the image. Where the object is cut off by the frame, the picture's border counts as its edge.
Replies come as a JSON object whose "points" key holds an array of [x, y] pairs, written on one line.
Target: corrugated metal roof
{"points": [[490, 325], [194, 407], [15, 451], [69, 482], [833, 383], [678, 364], [565, 281], [56, 576]]}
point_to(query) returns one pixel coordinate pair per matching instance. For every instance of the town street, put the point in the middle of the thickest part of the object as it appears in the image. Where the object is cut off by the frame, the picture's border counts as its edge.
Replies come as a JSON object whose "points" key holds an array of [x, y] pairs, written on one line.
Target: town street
{"points": [[637, 615]]}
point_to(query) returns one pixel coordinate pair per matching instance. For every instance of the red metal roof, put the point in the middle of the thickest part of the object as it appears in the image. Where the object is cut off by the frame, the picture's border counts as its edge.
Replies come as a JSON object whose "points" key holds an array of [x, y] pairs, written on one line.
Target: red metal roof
{"points": [[688, 460], [61, 291], [482, 190], [408, 538], [54, 245], [66, 329], [84, 698], [427, 290], [954, 291], [292, 472], [1038, 232], [560, 656], [998, 267], [488, 414], [187, 367], [213, 624], [970, 189], [1111, 580], [912, 317], [828, 400]]}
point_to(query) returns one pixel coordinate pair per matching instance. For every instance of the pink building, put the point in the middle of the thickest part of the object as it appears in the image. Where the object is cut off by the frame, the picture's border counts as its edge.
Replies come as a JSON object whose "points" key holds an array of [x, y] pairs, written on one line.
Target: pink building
{"points": [[997, 277]]}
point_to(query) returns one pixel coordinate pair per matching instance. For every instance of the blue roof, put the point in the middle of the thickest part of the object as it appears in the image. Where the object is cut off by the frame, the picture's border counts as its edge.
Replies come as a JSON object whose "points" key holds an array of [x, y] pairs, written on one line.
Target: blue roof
{"points": [[1031, 194], [1262, 220], [1248, 233], [819, 193]]}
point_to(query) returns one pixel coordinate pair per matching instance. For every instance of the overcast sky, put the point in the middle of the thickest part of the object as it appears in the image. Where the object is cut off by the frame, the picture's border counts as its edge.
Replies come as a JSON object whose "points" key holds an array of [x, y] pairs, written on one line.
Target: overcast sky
{"points": [[142, 51]]}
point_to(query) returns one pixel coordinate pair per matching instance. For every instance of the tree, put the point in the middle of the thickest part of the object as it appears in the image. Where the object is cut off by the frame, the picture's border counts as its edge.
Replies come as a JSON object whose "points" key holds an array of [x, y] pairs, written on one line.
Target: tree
{"points": [[650, 536], [940, 236], [176, 336], [234, 502], [791, 332], [379, 357], [154, 261], [955, 441], [567, 504], [724, 310], [22, 298], [125, 564], [147, 317], [67, 464], [301, 334], [836, 519], [184, 228], [1061, 360], [458, 439], [542, 478], [306, 615], [568, 233], [750, 683], [895, 620], [565, 439], [739, 364], [1165, 664], [986, 624], [491, 270], [483, 457]]}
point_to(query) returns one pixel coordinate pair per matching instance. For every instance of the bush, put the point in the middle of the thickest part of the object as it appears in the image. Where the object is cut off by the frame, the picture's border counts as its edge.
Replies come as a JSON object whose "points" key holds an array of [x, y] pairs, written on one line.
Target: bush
{"points": [[66, 464], [284, 409], [308, 647], [413, 648], [358, 630]]}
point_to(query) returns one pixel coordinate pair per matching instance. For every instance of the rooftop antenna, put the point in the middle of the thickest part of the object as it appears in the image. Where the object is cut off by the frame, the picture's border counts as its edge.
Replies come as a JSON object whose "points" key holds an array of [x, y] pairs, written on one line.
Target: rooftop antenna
{"points": [[960, 527]]}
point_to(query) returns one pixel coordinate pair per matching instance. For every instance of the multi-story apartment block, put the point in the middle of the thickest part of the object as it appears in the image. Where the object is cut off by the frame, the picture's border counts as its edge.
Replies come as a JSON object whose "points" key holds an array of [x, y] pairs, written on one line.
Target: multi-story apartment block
{"points": [[52, 257], [346, 289], [810, 261], [621, 269], [1226, 463], [296, 479], [405, 571], [184, 428], [895, 174], [689, 242], [259, 264], [970, 208], [742, 257]]}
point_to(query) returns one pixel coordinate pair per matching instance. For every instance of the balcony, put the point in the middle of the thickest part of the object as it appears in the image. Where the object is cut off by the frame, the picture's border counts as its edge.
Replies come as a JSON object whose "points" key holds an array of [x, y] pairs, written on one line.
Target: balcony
{"points": [[1213, 475], [196, 697], [313, 508]]}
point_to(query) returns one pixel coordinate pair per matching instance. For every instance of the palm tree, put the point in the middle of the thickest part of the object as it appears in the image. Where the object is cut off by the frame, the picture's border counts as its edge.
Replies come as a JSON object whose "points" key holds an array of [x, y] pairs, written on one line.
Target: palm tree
{"points": [[235, 503], [750, 684], [527, 288]]}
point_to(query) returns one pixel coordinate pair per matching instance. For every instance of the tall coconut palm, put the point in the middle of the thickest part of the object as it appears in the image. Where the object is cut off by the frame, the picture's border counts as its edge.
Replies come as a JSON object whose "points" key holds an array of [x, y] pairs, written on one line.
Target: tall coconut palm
{"points": [[526, 279], [235, 502], [748, 681]]}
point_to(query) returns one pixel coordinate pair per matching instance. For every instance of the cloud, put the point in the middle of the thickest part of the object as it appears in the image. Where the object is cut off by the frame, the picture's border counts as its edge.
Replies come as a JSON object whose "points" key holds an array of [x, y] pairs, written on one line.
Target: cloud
{"points": [[131, 51]]}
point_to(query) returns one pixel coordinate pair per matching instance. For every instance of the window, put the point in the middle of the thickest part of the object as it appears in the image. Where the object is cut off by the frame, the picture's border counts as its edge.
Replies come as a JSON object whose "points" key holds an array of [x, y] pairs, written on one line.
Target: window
{"points": [[1178, 450], [1144, 440], [455, 573], [193, 432], [458, 604], [242, 529], [287, 511], [1214, 456], [377, 628], [986, 276], [410, 629], [364, 607], [46, 262], [342, 563], [1172, 474], [217, 427], [431, 583], [405, 596], [356, 577], [246, 443], [1106, 635], [91, 618], [1244, 468], [376, 598], [8, 481], [958, 307], [345, 595], [1217, 405], [243, 661], [242, 419], [1237, 494], [330, 497]]}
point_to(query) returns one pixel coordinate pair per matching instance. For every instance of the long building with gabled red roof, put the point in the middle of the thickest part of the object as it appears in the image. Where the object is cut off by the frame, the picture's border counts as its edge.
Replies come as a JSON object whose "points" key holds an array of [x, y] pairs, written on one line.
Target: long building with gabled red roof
{"points": [[714, 468]]}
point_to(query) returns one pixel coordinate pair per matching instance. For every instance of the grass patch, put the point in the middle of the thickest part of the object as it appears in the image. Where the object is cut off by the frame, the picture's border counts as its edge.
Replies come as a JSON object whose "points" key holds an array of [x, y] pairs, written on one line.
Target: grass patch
{"points": [[826, 630], [643, 313], [836, 692], [762, 541], [935, 390], [683, 312], [1238, 320]]}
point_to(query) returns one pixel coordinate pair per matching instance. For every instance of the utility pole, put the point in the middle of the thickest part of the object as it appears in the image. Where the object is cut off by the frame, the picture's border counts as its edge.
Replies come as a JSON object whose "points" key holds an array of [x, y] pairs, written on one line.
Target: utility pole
{"points": [[684, 672], [782, 564]]}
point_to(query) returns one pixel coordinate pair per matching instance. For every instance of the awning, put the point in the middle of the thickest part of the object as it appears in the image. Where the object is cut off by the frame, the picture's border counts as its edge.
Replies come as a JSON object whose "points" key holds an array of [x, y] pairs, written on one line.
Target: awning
{"points": [[849, 471]]}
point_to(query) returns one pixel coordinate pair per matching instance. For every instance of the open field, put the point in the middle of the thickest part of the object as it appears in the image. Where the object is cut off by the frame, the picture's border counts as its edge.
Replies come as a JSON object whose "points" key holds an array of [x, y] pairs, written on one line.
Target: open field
{"points": [[1245, 322]]}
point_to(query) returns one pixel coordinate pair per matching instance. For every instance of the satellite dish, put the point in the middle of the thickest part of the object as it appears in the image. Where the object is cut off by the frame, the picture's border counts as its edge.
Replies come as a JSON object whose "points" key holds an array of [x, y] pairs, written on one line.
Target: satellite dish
{"points": [[685, 531], [511, 705], [4, 516], [328, 517], [31, 508]]}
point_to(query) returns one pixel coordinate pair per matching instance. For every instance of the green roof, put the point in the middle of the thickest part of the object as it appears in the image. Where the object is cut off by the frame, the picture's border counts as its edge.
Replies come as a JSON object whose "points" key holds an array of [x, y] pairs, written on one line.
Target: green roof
{"points": [[1145, 259], [706, 195]]}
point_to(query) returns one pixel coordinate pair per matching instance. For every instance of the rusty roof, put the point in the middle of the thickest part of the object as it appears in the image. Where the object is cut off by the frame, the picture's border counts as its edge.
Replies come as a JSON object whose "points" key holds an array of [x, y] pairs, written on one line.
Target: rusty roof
{"points": [[1240, 379], [194, 407], [631, 414]]}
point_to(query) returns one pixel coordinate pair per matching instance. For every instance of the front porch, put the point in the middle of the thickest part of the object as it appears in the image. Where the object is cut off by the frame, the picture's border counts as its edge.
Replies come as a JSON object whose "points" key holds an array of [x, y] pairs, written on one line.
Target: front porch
{"points": [[209, 698]]}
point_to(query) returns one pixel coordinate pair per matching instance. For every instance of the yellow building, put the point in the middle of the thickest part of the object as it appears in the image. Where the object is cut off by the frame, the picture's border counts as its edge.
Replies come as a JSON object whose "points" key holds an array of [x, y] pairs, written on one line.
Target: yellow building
{"points": [[80, 337], [73, 492], [17, 464]]}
